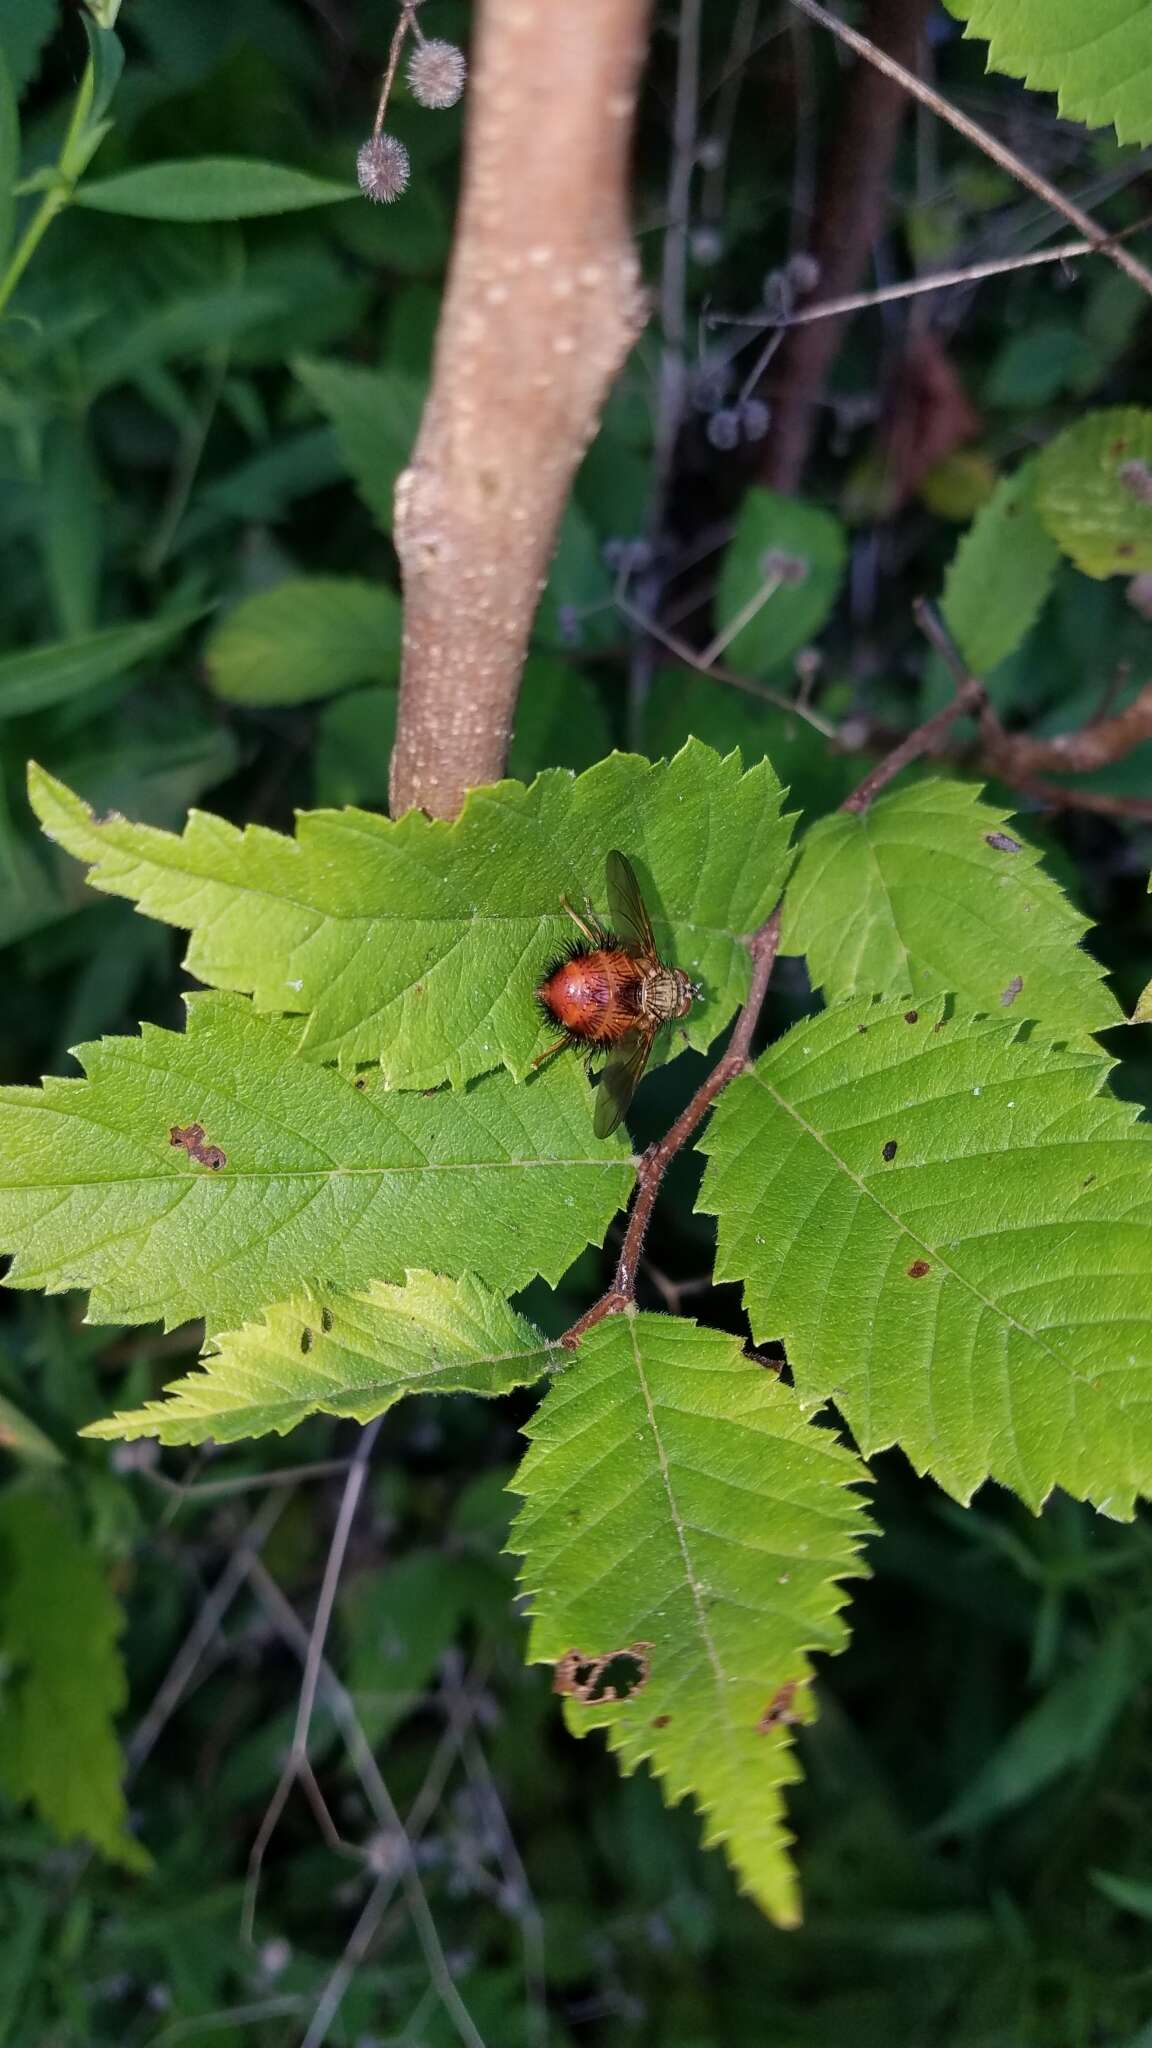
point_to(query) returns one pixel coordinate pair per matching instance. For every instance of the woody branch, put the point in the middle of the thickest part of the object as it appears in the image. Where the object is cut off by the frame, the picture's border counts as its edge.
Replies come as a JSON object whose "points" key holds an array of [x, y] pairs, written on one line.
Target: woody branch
{"points": [[542, 305]]}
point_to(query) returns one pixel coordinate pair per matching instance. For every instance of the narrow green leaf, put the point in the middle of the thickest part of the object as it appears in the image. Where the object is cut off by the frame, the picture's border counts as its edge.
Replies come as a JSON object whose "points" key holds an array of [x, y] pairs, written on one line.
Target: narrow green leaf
{"points": [[420, 944], [1130, 1893], [310, 1180], [949, 1225], [209, 188], [58, 1628], [307, 637], [1096, 58], [35, 678], [797, 548], [931, 890], [72, 526], [19, 1435], [348, 1354], [375, 417], [1066, 1729], [1094, 491], [680, 1505], [1000, 574]]}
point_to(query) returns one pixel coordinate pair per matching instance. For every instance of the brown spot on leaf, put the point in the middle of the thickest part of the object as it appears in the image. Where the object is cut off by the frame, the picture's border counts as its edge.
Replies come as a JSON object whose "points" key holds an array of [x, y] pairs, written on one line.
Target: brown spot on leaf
{"points": [[780, 1709], [890, 1149], [1008, 996], [617, 1675], [190, 1138], [1002, 842], [361, 1081], [661, 1720], [325, 1319], [918, 1268], [1087, 1183], [863, 1030], [911, 1016], [305, 1341], [1118, 448]]}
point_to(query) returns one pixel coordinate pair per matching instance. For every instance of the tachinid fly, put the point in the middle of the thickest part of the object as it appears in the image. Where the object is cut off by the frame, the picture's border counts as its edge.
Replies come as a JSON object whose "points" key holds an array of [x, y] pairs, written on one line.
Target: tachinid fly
{"points": [[612, 990]]}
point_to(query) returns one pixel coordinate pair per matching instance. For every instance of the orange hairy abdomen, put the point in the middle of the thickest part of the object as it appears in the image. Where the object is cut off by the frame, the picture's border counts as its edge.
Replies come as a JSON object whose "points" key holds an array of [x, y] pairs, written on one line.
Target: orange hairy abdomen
{"points": [[594, 996]]}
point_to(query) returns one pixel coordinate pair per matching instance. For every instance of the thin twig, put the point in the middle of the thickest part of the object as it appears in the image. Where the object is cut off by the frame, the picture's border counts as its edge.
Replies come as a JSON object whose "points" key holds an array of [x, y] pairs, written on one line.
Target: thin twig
{"points": [[297, 1766], [407, 20], [654, 1163], [404, 1872], [689, 658], [1016, 758], [970, 696], [195, 1644], [980, 137], [940, 281]]}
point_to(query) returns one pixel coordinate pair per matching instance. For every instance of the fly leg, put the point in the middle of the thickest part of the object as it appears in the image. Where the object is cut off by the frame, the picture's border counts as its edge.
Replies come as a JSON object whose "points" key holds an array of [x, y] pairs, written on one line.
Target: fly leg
{"points": [[589, 925]]}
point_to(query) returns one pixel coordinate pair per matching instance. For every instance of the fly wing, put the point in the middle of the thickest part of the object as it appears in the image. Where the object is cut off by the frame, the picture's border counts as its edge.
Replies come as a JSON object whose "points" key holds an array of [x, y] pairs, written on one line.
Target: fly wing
{"points": [[626, 910], [617, 1083]]}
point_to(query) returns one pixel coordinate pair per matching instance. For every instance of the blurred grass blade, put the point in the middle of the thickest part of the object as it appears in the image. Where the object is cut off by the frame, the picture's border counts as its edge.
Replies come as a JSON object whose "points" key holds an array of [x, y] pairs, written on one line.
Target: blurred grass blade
{"points": [[37, 677]]}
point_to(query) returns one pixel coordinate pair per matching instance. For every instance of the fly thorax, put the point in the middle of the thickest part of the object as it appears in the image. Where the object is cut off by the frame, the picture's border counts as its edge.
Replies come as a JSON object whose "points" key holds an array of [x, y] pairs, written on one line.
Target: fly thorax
{"points": [[665, 993]]}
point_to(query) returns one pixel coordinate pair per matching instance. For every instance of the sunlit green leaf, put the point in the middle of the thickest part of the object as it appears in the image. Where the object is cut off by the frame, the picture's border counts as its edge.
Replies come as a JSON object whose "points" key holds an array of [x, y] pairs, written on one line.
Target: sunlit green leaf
{"points": [[1097, 58], [309, 1179], [419, 943], [1094, 491], [684, 1517], [948, 1223], [351, 1354], [930, 889]]}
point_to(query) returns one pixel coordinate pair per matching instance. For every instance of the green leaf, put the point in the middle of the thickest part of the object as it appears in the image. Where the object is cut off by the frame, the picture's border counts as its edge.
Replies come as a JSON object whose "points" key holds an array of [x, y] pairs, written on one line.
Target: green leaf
{"points": [[1096, 58], [307, 637], [1066, 1730], [72, 523], [1131, 1894], [931, 890], [946, 1222], [375, 416], [1094, 491], [678, 1498], [20, 1436], [25, 26], [1142, 1014], [36, 677], [1000, 575], [775, 534], [420, 944], [58, 1628], [322, 1182], [191, 325], [347, 1354], [209, 188]]}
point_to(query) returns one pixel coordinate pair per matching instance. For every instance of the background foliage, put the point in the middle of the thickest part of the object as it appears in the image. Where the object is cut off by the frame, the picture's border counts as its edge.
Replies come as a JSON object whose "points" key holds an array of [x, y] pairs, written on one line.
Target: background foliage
{"points": [[209, 379]]}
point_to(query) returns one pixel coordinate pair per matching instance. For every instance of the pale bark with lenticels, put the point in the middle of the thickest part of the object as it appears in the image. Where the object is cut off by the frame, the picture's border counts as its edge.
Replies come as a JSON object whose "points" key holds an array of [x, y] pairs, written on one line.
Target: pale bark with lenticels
{"points": [[542, 305]]}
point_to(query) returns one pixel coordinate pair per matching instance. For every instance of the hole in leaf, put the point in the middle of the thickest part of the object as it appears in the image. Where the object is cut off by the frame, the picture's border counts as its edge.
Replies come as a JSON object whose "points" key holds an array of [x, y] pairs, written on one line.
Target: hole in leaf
{"points": [[618, 1675]]}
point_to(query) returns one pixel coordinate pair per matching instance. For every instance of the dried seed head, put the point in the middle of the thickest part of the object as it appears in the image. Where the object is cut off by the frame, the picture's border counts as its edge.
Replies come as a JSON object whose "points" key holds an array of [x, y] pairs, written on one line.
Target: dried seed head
{"points": [[436, 74], [382, 167]]}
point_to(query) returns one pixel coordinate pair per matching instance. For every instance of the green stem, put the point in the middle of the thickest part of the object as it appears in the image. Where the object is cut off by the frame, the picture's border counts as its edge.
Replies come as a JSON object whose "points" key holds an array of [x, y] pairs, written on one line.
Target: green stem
{"points": [[71, 161]]}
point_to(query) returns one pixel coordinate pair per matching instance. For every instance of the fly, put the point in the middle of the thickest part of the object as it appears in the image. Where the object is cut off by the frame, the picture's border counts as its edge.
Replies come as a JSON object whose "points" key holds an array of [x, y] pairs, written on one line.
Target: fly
{"points": [[613, 991]]}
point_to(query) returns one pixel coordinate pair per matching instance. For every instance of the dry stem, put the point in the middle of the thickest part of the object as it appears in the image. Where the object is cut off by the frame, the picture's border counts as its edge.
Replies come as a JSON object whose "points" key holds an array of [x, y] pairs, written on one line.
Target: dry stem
{"points": [[542, 305]]}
